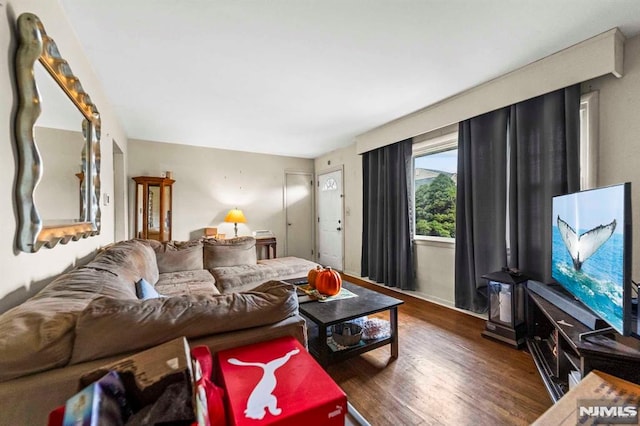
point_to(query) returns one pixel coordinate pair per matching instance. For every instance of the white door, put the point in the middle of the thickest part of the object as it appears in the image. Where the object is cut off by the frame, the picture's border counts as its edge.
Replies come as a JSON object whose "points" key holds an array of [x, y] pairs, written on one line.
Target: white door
{"points": [[330, 220], [299, 214]]}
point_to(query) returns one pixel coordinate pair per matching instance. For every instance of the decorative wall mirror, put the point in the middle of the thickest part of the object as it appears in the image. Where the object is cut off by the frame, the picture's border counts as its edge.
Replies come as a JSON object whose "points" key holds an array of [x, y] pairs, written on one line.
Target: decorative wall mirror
{"points": [[74, 210]]}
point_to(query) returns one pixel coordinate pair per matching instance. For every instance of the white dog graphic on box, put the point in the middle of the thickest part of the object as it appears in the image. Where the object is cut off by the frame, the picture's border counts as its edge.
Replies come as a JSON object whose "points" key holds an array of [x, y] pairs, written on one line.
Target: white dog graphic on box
{"points": [[262, 397]]}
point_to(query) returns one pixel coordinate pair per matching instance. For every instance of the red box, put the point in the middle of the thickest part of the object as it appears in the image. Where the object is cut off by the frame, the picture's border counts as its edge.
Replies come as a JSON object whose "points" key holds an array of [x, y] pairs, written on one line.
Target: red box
{"points": [[279, 383]]}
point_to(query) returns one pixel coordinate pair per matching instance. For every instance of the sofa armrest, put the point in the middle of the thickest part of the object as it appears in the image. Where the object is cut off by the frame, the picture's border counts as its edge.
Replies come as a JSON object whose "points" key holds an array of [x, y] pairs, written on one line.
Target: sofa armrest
{"points": [[28, 400], [110, 326]]}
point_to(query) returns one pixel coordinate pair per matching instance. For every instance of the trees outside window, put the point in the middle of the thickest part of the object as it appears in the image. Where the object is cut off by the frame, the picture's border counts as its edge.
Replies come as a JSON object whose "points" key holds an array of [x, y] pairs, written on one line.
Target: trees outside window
{"points": [[436, 208], [435, 193]]}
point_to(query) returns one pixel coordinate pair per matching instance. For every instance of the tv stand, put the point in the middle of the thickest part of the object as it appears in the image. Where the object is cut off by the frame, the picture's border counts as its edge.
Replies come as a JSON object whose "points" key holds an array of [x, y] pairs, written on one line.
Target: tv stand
{"points": [[599, 332], [553, 339]]}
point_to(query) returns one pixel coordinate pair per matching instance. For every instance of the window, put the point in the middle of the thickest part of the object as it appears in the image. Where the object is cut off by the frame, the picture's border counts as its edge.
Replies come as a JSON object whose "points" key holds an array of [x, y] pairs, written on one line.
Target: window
{"points": [[435, 166], [330, 185], [589, 140]]}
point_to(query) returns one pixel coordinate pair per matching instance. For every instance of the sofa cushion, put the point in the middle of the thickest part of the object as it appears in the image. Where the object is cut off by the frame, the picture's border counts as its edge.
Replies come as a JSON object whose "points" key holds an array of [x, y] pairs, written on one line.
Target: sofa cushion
{"points": [[37, 335], [290, 266], [129, 260], [186, 283], [175, 256], [235, 278], [231, 252], [108, 326], [86, 283], [238, 278]]}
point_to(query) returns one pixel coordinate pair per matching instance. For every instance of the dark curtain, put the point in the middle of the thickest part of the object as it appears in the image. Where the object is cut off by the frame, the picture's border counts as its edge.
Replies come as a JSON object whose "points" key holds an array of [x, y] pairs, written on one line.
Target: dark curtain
{"points": [[545, 140], [541, 138], [480, 206], [387, 240]]}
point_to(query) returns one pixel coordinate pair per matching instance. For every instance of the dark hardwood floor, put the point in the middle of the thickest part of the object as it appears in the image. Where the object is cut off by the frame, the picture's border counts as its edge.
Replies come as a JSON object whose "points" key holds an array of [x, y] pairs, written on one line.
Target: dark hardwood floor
{"points": [[446, 374]]}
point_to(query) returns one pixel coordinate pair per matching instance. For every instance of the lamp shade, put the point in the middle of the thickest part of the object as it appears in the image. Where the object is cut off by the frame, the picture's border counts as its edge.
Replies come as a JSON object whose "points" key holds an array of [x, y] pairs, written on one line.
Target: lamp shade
{"points": [[235, 216]]}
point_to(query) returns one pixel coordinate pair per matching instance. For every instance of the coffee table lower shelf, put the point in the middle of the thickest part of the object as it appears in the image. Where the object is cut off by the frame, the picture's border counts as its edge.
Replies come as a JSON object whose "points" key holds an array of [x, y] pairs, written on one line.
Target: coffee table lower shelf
{"points": [[341, 355]]}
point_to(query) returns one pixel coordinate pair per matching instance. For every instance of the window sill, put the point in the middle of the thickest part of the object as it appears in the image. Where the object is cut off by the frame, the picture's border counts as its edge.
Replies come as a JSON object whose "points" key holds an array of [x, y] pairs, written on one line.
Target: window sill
{"points": [[434, 241]]}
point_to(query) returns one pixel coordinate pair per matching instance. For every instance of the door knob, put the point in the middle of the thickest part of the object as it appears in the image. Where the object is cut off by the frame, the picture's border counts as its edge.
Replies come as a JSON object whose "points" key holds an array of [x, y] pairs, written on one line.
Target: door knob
{"points": [[289, 224], [339, 229]]}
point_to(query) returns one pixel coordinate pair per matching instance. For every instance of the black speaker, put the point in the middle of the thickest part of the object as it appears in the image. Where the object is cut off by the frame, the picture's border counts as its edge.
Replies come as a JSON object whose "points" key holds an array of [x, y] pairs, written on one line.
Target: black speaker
{"points": [[555, 294]]}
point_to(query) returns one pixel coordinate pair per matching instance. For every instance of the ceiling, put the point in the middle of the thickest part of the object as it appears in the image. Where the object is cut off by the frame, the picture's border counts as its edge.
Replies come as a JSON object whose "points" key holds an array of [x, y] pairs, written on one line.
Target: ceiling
{"points": [[304, 77]]}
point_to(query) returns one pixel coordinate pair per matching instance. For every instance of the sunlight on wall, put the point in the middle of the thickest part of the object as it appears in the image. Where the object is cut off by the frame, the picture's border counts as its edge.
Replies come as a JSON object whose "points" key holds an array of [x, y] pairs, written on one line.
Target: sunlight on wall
{"points": [[297, 194], [251, 202]]}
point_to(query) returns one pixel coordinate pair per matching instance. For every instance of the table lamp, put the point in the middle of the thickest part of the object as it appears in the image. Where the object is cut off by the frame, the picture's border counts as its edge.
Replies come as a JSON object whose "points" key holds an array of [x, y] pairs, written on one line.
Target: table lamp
{"points": [[235, 216]]}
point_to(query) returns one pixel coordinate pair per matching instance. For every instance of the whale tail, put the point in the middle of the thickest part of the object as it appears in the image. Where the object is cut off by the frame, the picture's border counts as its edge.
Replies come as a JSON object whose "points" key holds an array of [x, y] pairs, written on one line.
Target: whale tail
{"points": [[584, 246]]}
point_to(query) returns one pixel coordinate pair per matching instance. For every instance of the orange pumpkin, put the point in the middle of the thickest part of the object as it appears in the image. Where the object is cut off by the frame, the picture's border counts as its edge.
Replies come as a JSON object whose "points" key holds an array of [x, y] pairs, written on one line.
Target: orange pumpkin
{"points": [[311, 276], [328, 282]]}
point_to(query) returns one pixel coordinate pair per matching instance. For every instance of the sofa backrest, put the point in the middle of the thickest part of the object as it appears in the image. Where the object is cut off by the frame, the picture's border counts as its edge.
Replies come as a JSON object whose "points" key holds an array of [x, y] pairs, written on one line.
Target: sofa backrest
{"points": [[87, 283], [130, 260], [203, 253], [178, 256], [39, 334], [231, 252]]}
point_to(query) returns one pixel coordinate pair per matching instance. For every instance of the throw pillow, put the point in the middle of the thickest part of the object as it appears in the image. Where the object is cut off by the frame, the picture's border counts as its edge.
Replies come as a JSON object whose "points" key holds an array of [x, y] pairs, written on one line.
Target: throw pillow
{"points": [[178, 258], [144, 290], [231, 252]]}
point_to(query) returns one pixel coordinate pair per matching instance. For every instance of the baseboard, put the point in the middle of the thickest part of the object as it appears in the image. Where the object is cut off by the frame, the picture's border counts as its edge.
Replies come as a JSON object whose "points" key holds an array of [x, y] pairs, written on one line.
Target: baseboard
{"points": [[412, 294]]}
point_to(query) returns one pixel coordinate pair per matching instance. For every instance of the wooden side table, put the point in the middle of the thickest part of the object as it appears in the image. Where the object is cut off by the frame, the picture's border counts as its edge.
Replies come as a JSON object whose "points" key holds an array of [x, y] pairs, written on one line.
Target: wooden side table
{"points": [[270, 244]]}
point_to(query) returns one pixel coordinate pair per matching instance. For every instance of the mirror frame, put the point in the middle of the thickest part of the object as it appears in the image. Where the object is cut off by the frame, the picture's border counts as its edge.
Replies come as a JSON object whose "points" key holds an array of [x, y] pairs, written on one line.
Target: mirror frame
{"points": [[35, 45]]}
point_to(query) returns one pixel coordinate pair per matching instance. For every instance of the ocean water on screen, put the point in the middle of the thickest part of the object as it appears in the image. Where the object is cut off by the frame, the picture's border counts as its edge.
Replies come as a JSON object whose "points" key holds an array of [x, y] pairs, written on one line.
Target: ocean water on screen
{"points": [[599, 284]]}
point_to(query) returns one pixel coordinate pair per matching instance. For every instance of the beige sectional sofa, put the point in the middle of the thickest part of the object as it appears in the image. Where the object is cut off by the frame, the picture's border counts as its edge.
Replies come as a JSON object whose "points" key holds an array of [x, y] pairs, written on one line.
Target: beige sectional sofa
{"points": [[214, 292]]}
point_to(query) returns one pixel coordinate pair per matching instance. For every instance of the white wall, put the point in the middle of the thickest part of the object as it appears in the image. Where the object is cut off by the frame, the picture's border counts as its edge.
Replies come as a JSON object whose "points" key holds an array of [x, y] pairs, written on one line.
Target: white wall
{"points": [[210, 182], [619, 154], [435, 271], [619, 146], [618, 161], [434, 260], [26, 273], [596, 56]]}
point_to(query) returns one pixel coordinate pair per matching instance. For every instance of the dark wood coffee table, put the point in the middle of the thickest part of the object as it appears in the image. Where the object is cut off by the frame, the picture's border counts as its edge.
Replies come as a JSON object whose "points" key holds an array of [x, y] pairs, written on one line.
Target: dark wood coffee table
{"points": [[320, 316]]}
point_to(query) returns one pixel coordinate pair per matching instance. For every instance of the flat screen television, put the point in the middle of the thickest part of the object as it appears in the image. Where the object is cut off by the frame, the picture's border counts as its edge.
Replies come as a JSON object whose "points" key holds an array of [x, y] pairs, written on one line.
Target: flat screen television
{"points": [[591, 251]]}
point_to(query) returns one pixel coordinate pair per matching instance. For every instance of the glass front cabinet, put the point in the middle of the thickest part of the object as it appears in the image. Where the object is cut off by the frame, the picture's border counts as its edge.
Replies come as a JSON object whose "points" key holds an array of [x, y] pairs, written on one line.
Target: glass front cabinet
{"points": [[153, 208]]}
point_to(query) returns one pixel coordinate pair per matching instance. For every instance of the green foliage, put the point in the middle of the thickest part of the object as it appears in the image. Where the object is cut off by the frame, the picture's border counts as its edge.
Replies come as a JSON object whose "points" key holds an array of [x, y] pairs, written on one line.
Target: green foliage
{"points": [[435, 208]]}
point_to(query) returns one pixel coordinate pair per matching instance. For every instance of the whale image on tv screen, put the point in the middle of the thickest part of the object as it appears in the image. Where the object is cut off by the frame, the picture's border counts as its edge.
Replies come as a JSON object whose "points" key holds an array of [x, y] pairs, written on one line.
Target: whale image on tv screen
{"points": [[590, 250]]}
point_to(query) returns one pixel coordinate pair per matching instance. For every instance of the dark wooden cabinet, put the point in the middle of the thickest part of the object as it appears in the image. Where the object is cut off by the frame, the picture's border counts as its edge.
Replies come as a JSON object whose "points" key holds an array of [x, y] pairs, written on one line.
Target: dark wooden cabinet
{"points": [[553, 341], [266, 247], [153, 214]]}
